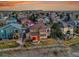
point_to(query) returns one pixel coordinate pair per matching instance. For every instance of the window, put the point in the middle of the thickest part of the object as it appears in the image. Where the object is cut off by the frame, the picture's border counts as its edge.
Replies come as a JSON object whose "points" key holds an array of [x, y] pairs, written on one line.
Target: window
{"points": [[77, 23], [33, 38], [16, 31], [34, 33], [2, 31], [42, 34], [47, 30]]}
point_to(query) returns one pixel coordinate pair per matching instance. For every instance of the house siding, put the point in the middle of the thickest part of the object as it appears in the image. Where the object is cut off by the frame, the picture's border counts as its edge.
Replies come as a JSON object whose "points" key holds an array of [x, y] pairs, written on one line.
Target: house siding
{"points": [[8, 32]]}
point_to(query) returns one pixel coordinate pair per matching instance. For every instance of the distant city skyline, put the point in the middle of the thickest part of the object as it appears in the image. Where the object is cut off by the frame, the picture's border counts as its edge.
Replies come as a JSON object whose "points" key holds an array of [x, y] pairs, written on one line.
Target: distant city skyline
{"points": [[39, 5]]}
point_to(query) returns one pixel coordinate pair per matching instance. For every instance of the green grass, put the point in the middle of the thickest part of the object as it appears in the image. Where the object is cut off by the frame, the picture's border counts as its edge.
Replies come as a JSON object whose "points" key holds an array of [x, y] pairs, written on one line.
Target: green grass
{"points": [[10, 44], [41, 43], [72, 41]]}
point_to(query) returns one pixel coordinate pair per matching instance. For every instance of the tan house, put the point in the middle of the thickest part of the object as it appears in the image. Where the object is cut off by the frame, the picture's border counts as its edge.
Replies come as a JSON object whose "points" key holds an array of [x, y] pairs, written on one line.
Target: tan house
{"points": [[39, 31], [66, 27]]}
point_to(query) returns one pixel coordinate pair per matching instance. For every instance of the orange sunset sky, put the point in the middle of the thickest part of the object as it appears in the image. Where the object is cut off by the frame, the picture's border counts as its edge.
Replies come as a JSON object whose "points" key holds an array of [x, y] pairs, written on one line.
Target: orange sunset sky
{"points": [[39, 5]]}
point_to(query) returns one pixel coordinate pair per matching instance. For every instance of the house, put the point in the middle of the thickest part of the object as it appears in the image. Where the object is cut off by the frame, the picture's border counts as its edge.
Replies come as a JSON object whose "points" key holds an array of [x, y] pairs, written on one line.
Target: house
{"points": [[78, 17], [67, 30], [73, 22], [26, 21], [8, 30], [11, 20], [55, 18], [21, 15], [77, 27], [77, 23], [39, 31], [45, 20], [66, 27], [3, 20]]}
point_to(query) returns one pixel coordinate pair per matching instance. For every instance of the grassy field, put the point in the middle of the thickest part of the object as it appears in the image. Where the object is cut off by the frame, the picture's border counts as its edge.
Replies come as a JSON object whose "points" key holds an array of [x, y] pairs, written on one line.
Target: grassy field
{"points": [[72, 41], [47, 42], [8, 44], [42, 43], [32, 52]]}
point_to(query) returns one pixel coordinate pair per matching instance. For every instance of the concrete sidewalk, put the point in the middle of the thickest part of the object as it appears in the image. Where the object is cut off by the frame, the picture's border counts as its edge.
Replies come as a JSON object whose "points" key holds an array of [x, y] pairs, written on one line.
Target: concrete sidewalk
{"points": [[55, 46]]}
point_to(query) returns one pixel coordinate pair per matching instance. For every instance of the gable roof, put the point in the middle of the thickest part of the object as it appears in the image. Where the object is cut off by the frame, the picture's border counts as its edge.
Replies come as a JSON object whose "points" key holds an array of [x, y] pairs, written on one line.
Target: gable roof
{"points": [[38, 25], [11, 20], [63, 24], [16, 25], [26, 21]]}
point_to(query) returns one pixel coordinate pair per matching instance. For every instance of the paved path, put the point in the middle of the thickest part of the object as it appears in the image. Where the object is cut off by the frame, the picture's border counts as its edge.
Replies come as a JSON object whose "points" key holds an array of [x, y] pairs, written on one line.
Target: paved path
{"points": [[36, 47], [50, 51]]}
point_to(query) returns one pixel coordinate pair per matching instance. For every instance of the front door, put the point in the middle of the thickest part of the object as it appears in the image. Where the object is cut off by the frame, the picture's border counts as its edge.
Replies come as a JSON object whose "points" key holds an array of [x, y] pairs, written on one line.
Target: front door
{"points": [[34, 38]]}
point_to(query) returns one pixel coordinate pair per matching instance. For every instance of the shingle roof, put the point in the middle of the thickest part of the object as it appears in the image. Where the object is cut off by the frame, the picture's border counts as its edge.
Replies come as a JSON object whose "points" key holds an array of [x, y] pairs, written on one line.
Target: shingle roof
{"points": [[63, 24], [16, 25], [39, 25], [27, 21]]}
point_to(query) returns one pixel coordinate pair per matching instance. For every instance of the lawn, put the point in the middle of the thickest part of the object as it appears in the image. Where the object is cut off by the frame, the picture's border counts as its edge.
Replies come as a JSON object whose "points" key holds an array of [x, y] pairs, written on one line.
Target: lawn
{"points": [[71, 41], [8, 44], [42, 43], [13, 43]]}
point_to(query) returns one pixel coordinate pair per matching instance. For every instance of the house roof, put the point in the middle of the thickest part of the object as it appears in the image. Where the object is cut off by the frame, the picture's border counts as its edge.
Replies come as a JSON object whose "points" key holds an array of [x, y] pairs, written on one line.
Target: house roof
{"points": [[63, 24], [11, 20], [70, 26], [73, 22], [23, 18], [27, 21], [38, 25], [16, 25], [3, 19]]}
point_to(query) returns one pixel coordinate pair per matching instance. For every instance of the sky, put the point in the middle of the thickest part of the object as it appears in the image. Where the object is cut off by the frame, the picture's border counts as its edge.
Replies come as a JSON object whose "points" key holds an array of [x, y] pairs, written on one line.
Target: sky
{"points": [[39, 5]]}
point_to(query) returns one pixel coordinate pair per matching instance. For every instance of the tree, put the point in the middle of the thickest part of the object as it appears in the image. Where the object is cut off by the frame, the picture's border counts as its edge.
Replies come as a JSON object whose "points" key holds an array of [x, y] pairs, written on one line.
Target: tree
{"points": [[55, 31], [33, 17], [14, 14]]}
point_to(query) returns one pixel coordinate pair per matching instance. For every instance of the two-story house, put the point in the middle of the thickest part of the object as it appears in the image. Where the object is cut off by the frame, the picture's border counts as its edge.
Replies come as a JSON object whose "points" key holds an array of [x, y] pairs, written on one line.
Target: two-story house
{"points": [[39, 31]]}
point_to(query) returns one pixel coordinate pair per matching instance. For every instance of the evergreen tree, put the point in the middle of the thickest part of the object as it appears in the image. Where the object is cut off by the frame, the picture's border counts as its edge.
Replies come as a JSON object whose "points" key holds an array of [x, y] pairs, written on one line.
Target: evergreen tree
{"points": [[33, 17], [55, 31]]}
